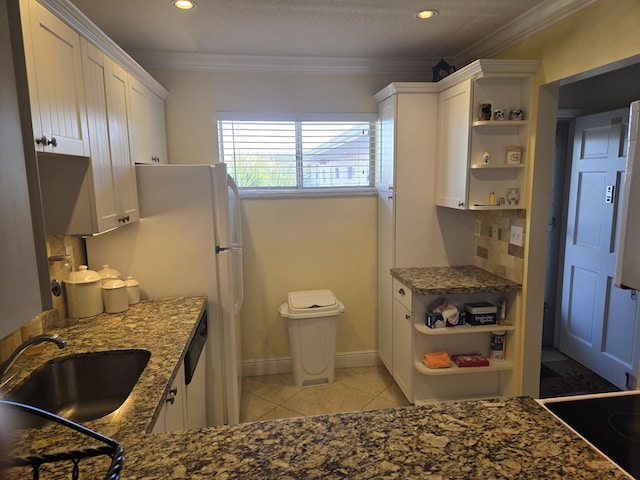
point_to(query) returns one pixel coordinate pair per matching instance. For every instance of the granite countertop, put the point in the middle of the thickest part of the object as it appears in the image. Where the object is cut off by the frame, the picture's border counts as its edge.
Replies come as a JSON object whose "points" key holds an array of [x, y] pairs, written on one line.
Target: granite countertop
{"points": [[163, 327], [506, 438], [452, 280], [512, 438]]}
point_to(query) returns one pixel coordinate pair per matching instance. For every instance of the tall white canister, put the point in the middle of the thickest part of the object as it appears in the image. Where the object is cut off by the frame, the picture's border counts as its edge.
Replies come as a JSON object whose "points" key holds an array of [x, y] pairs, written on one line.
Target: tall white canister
{"points": [[84, 295]]}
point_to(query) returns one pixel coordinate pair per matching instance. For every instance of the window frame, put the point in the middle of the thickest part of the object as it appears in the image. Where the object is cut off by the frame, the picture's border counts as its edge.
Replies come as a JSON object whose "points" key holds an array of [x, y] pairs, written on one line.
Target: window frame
{"points": [[300, 191]]}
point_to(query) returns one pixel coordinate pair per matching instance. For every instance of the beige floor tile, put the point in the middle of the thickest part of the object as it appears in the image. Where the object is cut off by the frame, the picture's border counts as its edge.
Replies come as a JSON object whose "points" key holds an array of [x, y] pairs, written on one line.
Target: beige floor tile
{"points": [[280, 412], [373, 380], [380, 402], [275, 388], [333, 398], [393, 393], [252, 407]]}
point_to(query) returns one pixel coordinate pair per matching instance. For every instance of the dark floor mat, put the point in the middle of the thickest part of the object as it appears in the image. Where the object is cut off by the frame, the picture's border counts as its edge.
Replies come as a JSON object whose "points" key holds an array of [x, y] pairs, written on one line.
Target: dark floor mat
{"points": [[567, 377]]}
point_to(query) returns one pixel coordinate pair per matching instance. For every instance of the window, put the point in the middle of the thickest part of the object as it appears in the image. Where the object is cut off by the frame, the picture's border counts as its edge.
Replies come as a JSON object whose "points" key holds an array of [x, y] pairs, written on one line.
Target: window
{"points": [[299, 156]]}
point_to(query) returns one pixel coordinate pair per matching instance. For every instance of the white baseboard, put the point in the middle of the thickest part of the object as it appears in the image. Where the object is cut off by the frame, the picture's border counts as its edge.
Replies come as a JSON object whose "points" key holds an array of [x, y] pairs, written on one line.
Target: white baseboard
{"points": [[270, 366]]}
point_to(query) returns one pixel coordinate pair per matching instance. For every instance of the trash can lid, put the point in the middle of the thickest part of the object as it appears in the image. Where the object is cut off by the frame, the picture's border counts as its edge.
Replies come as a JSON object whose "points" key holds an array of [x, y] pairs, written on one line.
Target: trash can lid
{"points": [[311, 303]]}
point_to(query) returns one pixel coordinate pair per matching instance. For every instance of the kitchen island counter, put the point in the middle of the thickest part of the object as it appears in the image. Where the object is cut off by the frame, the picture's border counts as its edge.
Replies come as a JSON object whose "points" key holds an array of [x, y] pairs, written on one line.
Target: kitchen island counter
{"points": [[489, 439]]}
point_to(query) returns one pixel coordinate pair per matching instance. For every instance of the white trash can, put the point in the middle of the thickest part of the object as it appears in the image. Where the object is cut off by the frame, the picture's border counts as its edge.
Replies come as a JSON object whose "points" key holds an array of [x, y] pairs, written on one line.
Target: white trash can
{"points": [[312, 334]]}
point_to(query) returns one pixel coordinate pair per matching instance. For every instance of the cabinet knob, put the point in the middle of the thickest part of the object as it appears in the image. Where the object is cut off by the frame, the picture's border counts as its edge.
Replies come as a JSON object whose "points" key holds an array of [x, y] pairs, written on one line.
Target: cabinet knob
{"points": [[155, 159], [407, 316], [45, 142], [171, 398], [401, 291], [124, 219], [460, 204], [390, 197]]}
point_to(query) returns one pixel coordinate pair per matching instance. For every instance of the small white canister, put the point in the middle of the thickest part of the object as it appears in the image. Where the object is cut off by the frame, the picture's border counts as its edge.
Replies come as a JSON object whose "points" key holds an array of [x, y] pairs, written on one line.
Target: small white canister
{"points": [[114, 293], [84, 297], [107, 273], [133, 290]]}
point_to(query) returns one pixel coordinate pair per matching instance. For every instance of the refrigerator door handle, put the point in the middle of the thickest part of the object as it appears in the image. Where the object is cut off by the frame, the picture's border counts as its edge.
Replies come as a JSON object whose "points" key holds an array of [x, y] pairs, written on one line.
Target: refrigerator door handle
{"points": [[231, 183]]}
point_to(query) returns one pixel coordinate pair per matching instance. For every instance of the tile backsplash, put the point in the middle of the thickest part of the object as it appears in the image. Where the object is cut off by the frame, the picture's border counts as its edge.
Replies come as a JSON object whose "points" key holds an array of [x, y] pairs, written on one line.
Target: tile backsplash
{"points": [[64, 252], [493, 251]]}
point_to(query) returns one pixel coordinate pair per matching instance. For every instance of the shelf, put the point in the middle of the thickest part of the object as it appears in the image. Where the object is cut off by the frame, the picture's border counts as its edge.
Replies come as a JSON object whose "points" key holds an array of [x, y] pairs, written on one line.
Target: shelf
{"points": [[480, 166], [494, 366], [462, 329], [500, 123], [495, 207]]}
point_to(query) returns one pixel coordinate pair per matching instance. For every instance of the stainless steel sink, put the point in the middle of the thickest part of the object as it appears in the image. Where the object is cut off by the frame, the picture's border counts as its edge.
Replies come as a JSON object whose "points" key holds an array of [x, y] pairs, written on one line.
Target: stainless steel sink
{"points": [[81, 387]]}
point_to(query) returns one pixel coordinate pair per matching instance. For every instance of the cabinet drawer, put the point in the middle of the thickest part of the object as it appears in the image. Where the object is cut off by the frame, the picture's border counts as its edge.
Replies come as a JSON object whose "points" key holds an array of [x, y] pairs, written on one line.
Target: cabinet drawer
{"points": [[402, 293]]}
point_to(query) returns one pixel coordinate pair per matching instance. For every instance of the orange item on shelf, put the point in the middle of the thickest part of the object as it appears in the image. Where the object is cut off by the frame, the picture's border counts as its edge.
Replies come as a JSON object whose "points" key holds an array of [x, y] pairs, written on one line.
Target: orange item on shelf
{"points": [[437, 360]]}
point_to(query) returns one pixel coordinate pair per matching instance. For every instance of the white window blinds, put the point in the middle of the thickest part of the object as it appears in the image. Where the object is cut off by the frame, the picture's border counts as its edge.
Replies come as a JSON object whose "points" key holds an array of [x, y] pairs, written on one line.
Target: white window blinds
{"points": [[290, 155]]}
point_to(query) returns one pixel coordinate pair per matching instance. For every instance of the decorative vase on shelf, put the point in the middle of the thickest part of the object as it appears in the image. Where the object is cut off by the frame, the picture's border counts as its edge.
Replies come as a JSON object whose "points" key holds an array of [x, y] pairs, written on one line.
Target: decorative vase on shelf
{"points": [[513, 196]]}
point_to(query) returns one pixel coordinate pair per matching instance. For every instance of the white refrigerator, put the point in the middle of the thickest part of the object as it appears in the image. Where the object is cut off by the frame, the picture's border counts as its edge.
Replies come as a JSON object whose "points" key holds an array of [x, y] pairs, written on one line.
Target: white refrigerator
{"points": [[188, 242], [627, 274]]}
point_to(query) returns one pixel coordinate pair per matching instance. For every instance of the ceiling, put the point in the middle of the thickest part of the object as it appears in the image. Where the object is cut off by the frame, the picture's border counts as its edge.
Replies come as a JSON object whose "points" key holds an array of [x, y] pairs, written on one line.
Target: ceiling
{"points": [[340, 29]]}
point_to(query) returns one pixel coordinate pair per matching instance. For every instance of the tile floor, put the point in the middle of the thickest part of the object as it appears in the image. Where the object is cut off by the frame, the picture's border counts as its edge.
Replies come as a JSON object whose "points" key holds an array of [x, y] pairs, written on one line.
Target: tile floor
{"points": [[275, 396]]}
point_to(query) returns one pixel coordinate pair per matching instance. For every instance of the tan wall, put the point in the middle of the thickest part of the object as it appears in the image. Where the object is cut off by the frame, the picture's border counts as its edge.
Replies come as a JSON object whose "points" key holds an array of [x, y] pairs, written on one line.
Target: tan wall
{"points": [[581, 45], [290, 244]]}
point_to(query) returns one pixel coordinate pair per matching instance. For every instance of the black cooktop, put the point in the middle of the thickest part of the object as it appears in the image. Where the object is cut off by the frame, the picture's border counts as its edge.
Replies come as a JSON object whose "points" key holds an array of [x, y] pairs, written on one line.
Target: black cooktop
{"points": [[611, 423]]}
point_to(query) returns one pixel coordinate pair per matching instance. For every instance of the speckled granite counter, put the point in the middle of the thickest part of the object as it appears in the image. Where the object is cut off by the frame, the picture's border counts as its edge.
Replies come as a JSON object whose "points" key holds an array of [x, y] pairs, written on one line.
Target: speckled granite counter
{"points": [[512, 438], [163, 327], [452, 280], [499, 439]]}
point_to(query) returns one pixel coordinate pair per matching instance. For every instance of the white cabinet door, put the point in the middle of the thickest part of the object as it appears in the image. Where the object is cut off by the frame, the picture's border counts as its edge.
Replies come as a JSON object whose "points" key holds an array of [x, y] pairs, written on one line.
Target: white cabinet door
{"points": [[124, 180], [115, 200], [147, 127], [403, 349], [454, 112], [105, 196], [54, 70], [173, 414], [158, 129], [386, 227]]}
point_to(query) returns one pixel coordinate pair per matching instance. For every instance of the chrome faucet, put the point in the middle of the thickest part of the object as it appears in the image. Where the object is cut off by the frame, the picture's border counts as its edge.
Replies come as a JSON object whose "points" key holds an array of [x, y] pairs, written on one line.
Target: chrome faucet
{"points": [[6, 366]]}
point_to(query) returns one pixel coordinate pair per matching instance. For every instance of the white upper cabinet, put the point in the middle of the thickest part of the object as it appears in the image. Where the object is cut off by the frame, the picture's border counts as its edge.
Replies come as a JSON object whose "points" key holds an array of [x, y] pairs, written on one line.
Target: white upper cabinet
{"points": [[54, 71], [113, 175], [482, 159], [147, 126], [94, 112]]}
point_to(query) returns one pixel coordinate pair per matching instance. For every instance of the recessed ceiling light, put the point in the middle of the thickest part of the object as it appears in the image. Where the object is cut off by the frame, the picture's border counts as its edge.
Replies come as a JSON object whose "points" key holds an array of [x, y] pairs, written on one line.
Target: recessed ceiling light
{"points": [[426, 14], [184, 4]]}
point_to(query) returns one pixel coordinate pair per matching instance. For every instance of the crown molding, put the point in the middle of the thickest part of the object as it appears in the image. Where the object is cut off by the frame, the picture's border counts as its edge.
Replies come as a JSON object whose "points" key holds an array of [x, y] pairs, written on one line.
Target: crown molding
{"points": [[526, 25], [77, 20], [328, 65]]}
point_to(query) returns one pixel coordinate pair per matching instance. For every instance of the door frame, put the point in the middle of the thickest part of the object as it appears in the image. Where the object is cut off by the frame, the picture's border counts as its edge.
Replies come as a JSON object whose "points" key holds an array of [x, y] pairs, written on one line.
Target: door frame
{"points": [[538, 201]]}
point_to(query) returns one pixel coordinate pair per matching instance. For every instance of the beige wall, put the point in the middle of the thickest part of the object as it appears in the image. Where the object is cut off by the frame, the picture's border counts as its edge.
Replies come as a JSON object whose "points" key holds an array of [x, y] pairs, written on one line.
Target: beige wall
{"points": [[582, 45], [290, 244]]}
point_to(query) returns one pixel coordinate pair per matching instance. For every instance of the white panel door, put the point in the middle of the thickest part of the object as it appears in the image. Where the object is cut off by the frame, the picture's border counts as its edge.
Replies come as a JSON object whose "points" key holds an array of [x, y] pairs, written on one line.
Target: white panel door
{"points": [[598, 321]]}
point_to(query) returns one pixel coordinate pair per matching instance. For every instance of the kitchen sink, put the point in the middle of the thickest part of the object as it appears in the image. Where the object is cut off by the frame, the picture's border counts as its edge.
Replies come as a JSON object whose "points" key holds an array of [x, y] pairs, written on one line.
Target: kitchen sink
{"points": [[81, 387]]}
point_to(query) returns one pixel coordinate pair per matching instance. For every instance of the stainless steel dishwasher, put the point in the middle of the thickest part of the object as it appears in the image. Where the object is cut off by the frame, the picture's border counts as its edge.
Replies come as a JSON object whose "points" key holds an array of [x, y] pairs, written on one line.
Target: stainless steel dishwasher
{"points": [[194, 376]]}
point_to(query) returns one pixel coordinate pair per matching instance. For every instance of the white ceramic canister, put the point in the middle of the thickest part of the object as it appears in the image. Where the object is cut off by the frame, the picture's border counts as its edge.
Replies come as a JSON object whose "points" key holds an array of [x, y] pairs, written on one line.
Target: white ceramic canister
{"points": [[107, 273], [84, 296], [114, 293], [133, 290]]}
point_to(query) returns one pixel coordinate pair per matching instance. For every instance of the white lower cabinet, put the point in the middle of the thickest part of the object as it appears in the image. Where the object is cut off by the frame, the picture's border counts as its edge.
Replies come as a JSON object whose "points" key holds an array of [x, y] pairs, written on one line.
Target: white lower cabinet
{"points": [[413, 339], [173, 414]]}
